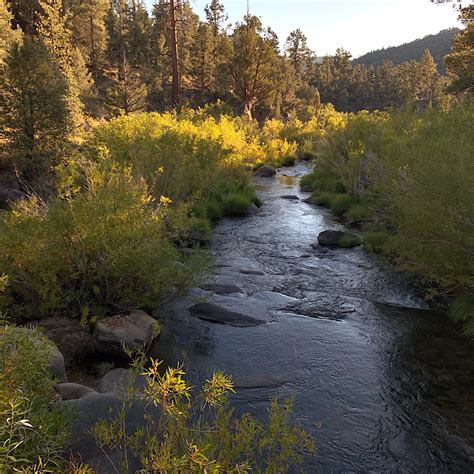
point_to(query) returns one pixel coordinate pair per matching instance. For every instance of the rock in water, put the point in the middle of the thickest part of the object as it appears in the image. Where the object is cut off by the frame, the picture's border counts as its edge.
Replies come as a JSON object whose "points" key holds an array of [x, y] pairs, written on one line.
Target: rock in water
{"points": [[218, 314], [265, 171], [72, 391], [290, 197], [337, 238], [134, 330], [221, 289]]}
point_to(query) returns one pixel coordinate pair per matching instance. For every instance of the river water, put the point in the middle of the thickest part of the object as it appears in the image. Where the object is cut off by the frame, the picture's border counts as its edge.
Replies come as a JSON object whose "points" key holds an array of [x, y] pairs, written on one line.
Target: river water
{"points": [[381, 382]]}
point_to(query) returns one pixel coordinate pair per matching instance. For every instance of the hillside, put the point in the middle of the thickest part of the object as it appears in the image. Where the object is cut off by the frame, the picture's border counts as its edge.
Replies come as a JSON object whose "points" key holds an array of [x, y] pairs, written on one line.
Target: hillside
{"points": [[439, 45]]}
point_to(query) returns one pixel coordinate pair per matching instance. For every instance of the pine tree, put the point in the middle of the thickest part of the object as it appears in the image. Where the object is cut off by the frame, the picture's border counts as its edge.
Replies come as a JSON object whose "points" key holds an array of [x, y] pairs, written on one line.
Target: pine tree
{"points": [[88, 30], [8, 35], [460, 62], [33, 105], [53, 30], [298, 52], [25, 14], [252, 64], [138, 34], [216, 16]]}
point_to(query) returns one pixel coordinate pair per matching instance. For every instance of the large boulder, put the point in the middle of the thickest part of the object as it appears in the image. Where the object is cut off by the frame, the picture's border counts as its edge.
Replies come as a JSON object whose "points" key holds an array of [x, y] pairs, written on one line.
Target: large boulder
{"points": [[119, 380], [265, 171], [218, 314], [134, 330], [38, 341], [73, 339], [337, 238]]}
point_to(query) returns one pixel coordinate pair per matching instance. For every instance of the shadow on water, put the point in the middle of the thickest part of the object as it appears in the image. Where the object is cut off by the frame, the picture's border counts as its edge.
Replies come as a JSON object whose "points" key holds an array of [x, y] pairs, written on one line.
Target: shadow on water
{"points": [[383, 384]]}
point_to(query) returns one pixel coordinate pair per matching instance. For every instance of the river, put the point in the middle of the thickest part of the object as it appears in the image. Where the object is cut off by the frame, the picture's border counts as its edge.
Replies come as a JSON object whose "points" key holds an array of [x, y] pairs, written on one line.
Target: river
{"points": [[382, 383]]}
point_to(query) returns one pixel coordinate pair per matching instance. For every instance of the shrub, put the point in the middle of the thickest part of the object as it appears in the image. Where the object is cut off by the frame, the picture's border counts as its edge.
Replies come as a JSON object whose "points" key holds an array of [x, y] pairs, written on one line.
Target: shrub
{"points": [[359, 212], [196, 431], [349, 240], [323, 199], [376, 241], [107, 248], [33, 430], [340, 204]]}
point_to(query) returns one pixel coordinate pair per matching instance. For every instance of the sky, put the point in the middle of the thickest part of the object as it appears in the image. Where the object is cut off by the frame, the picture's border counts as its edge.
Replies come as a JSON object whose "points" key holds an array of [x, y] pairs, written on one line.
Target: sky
{"points": [[358, 26]]}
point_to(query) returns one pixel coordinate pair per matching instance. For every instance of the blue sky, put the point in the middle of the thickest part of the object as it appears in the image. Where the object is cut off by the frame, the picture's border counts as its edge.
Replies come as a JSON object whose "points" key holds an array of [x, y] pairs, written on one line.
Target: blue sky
{"points": [[358, 26]]}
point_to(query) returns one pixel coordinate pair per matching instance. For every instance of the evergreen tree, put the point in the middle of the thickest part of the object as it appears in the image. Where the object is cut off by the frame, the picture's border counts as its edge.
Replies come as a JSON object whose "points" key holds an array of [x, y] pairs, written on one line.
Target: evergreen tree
{"points": [[54, 31], [138, 34], [216, 16], [88, 30], [25, 14], [460, 62], [8, 35], [33, 105], [253, 62], [298, 52]]}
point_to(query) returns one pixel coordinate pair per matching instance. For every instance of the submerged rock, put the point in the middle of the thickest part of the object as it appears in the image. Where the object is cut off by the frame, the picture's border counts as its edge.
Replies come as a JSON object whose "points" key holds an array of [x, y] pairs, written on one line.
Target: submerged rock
{"points": [[251, 271], [118, 381], [72, 391], [265, 171], [221, 289], [290, 197], [337, 238], [218, 314], [134, 330]]}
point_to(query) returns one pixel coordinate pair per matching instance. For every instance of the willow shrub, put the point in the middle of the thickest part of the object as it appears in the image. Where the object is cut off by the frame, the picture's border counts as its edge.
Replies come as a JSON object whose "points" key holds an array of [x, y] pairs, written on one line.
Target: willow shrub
{"points": [[105, 248], [195, 430], [33, 430], [417, 173]]}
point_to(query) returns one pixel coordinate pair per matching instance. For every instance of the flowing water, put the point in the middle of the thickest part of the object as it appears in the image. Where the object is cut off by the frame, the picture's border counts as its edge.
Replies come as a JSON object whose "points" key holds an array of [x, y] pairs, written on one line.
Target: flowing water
{"points": [[382, 383]]}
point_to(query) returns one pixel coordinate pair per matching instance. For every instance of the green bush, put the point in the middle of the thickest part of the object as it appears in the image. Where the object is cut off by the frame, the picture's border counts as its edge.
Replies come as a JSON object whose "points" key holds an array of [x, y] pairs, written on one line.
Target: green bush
{"points": [[376, 241], [108, 248], [33, 429], [359, 212], [323, 198], [348, 241], [236, 205], [340, 204]]}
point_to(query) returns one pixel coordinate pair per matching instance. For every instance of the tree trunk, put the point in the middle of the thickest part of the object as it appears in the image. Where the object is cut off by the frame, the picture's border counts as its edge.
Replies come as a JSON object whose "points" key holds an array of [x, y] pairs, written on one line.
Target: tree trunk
{"points": [[174, 54]]}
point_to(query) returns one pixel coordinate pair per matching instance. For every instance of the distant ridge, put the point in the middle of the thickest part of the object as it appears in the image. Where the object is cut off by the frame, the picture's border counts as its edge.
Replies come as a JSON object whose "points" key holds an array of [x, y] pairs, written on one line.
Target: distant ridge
{"points": [[439, 45]]}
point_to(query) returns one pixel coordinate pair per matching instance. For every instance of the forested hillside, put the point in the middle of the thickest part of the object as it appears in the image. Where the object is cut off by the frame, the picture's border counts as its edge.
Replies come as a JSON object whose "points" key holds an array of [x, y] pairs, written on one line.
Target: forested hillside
{"points": [[439, 45]]}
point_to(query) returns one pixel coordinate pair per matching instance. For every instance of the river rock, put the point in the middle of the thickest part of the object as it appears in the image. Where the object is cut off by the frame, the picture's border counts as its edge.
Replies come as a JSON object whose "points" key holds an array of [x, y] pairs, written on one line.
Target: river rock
{"points": [[334, 238], [251, 271], [221, 289], [218, 314], [118, 380], [253, 209], [290, 197], [51, 351], [265, 171], [72, 391], [134, 330], [73, 340]]}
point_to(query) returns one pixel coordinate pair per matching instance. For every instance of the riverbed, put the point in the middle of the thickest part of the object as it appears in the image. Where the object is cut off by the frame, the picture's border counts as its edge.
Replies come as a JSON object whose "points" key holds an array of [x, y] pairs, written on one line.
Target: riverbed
{"points": [[383, 383]]}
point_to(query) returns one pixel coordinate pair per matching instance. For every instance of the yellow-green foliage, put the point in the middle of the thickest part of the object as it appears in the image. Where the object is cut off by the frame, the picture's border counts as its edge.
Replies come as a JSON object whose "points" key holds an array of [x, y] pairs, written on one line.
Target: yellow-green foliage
{"points": [[106, 248], [417, 172], [196, 431], [33, 430]]}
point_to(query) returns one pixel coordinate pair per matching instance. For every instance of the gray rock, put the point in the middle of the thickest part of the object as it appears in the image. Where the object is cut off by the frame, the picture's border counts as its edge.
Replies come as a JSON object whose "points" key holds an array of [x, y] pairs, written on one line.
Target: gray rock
{"points": [[334, 238], [221, 289], [265, 171], [73, 340], [290, 197], [72, 391], [118, 380], [51, 352], [252, 210], [251, 271], [218, 314], [134, 330]]}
